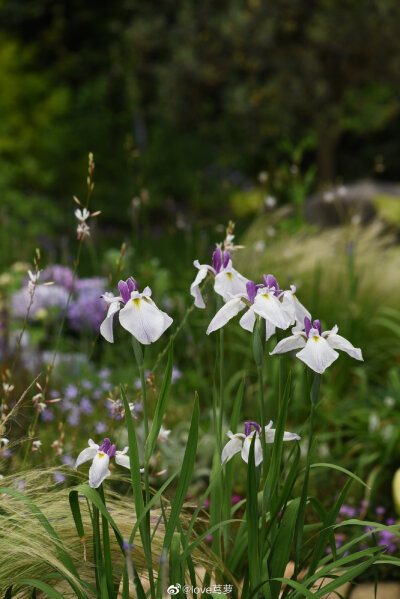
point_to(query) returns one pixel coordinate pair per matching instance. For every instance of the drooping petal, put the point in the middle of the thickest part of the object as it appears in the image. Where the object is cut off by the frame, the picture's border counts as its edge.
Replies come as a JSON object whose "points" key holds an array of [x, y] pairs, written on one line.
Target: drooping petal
{"points": [[270, 308], [295, 341], [229, 282], [122, 458], [99, 469], [300, 311], [143, 319], [87, 454], [233, 447], [269, 329], [339, 342], [288, 305], [226, 313], [106, 327], [248, 319], [195, 286], [270, 435], [290, 436], [317, 354], [257, 449]]}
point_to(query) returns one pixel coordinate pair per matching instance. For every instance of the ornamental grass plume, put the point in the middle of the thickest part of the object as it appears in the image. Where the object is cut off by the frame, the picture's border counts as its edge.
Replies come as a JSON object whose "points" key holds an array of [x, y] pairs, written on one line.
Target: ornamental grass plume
{"points": [[29, 551]]}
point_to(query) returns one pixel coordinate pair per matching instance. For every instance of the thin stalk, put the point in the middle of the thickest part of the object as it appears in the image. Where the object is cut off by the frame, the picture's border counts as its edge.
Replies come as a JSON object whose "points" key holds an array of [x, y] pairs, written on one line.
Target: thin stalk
{"points": [[106, 547], [50, 367], [139, 357], [314, 395], [98, 563]]}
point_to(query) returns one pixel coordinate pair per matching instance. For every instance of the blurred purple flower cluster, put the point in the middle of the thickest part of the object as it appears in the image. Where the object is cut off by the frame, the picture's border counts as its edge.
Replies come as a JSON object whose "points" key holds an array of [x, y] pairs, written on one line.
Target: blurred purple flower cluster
{"points": [[85, 310], [384, 538]]}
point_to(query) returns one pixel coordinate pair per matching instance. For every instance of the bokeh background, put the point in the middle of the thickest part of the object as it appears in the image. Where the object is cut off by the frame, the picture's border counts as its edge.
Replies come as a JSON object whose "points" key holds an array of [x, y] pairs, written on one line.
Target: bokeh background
{"points": [[283, 116]]}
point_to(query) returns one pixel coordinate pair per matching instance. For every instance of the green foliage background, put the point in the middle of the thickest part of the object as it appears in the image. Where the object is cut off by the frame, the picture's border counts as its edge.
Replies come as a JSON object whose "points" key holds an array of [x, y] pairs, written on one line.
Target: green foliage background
{"points": [[189, 100]]}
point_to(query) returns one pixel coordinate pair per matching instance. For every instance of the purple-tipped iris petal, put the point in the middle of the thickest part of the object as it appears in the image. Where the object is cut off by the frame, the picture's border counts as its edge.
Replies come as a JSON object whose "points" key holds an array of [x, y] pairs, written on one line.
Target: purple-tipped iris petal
{"points": [[248, 425], [272, 282], [307, 325], [132, 284], [111, 451], [251, 291], [227, 257], [105, 446], [217, 260], [317, 325], [124, 291]]}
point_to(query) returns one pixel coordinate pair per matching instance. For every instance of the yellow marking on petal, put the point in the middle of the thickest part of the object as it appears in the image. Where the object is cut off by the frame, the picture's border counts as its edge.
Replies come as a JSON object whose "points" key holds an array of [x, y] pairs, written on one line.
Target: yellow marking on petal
{"points": [[229, 275], [266, 295], [136, 301], [316, 339], [100, 454]]}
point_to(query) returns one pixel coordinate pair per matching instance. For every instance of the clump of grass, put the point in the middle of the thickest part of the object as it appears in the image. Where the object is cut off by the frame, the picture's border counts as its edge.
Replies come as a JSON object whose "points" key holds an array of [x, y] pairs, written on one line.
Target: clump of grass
{"points": [[29, 551]]}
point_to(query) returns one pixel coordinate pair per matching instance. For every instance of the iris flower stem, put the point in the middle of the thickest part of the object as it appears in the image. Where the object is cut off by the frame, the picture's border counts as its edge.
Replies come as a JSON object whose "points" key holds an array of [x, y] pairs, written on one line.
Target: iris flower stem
{"points": [[314, 395], [139, 357], [258, 358]]}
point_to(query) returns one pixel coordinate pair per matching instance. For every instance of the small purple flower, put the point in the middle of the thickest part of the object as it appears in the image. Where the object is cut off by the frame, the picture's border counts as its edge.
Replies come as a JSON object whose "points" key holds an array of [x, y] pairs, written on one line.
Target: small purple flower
{"points": [[60, 275], [176, 375], [88, 385], [71, 391], [348, 511], [100, 427], [74, 417], [104, 373], [86, 406], [380, 510], [126, 546], [47, 415], [59, 478], [67, 460]]}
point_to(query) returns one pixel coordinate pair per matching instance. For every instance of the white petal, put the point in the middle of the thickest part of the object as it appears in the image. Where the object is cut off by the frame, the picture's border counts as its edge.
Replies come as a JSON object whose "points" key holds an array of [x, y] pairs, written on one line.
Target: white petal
{"points": [[233, 447], [147, 291], [106, 327], [270, 436], [99, 469], [288, 305], [143, 319], [333, 331], [257, 449], [122, 459], [290, 436], [226, 313], [86, 455], [270, 308], [269, 329], [339, 342], [248, 319], [229, 282], [300, 311], [195, 288], [317, 354], [293, 342]]}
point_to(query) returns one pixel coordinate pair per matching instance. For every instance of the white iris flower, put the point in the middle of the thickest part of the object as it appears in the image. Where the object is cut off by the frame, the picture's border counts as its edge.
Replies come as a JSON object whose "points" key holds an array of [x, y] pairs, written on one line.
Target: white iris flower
{"points": [[139, 314], [228, 281], [317, 348], [101, 456], [241, 442], [259, 301]]}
